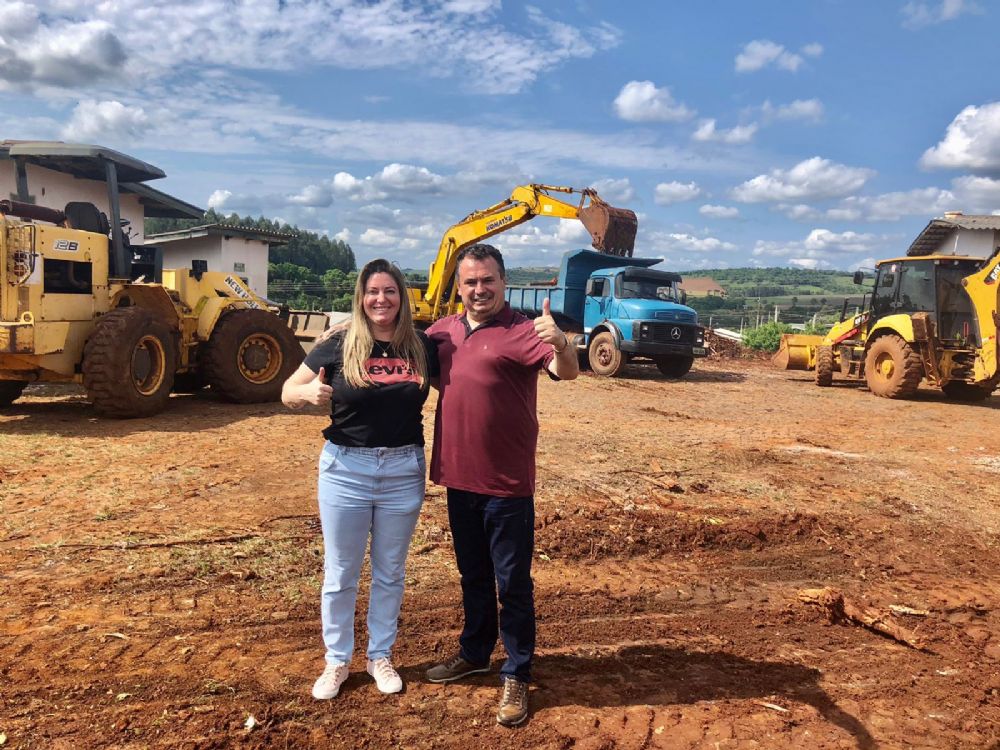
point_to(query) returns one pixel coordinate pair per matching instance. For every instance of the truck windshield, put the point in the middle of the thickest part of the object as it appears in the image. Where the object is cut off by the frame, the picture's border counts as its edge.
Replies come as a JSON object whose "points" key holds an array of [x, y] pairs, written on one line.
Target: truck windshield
{"points": [[647, 289]]}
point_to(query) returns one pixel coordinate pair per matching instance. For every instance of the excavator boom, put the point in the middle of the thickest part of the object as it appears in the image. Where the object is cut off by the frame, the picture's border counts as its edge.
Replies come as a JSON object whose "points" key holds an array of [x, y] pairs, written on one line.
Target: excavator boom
{"points": [[612, 231]]}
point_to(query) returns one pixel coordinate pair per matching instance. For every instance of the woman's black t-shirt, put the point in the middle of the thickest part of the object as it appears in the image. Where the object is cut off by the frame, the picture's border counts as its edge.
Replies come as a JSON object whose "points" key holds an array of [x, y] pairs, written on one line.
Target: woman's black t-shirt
{"points": [[385, 415]]}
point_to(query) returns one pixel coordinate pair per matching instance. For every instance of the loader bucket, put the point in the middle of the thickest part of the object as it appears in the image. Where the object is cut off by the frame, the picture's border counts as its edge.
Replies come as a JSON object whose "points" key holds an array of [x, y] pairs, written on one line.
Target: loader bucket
{"points": [[612, 230], [797, 351]]}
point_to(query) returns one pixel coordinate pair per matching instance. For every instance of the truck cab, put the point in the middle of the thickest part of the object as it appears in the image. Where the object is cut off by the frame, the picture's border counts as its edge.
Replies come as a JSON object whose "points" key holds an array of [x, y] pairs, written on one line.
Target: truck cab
{"points": [[642, 311]]}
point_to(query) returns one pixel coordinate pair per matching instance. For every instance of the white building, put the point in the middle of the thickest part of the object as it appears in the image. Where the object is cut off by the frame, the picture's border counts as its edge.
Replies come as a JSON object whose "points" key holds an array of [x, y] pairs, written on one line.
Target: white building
{"points": [[240, 251], [52, 174], [959, 234]]}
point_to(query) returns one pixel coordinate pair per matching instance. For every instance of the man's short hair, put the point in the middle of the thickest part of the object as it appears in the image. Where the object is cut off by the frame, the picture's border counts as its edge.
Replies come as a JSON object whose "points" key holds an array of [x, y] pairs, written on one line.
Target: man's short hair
{"points": [[482, 251]]}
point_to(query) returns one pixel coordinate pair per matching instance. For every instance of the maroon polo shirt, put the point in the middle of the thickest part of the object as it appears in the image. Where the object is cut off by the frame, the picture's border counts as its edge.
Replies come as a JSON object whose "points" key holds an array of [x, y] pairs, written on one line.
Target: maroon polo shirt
{"points": [[486, 427]]}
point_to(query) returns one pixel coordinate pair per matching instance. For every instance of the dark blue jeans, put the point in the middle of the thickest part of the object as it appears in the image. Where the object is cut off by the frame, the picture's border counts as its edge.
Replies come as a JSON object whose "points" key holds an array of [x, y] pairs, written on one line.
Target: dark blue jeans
{"points": [[494, 539]]}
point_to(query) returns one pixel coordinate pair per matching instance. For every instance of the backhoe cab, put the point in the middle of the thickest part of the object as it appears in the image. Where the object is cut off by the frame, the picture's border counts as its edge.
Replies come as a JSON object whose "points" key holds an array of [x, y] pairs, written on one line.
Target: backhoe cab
{"points": [[79, 304], [928, 317], [612, 231]]}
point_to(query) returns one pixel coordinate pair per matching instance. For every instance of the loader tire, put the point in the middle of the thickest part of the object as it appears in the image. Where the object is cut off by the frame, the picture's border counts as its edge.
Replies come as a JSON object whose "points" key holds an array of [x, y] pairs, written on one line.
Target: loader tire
{"points": [[969, 392], [824, 366], [674, 366], [10, 391], [128, 364], [249, 356], [606, 359], [892, 368]]}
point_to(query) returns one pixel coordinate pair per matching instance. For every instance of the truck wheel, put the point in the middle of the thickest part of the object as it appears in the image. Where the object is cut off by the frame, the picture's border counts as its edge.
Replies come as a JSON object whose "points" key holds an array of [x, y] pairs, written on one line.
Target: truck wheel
{"points": [[249, 356], [129, 363], [10, 391], [824, 366], [960, 391], [674, 366], [892, 368], [606, 359]]}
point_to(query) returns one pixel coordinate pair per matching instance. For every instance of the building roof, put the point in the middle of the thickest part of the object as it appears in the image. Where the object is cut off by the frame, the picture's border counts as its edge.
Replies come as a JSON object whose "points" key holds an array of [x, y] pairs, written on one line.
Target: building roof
{"points": [[226, 230], [87, 162], [700, 284], [938, 230], [80, 160]]}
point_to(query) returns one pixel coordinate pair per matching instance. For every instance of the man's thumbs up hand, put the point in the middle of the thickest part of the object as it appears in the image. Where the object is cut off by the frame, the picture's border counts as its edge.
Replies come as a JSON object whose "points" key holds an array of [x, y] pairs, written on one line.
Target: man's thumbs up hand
{"points": [[547, 330], [317, 391]]}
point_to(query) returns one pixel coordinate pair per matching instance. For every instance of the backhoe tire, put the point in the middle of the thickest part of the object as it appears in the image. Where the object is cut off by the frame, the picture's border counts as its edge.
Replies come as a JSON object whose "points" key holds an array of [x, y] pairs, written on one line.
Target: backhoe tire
{"points": [[969, 392], [128, 364], [10, 391], [606, 359], [824, 366], [674, 366], [249, 356], [893, 368]]}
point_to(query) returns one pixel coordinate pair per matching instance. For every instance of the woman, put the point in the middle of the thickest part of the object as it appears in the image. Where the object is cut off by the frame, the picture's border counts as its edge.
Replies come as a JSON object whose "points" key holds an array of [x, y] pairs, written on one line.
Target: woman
{"points": [[375, 375]]}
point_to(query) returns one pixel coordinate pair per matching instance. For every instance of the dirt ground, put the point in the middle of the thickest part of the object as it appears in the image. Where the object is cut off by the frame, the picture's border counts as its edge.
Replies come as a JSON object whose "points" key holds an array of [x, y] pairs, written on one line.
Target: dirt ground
{"points": [[159, 578]]}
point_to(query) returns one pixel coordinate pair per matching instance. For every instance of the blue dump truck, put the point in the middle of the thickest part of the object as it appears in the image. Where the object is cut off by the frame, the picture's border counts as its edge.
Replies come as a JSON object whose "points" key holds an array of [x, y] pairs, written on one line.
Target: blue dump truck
{"points": [[618, 310]]}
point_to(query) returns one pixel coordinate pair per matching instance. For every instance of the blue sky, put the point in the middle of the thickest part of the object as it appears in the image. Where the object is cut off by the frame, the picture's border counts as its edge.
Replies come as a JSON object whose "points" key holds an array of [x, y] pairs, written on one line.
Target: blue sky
{"points": [[819, 134]]}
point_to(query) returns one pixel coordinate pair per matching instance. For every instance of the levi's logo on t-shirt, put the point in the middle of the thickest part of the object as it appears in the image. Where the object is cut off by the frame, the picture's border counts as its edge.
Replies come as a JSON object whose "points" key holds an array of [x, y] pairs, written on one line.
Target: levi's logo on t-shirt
{"points": [[388, 370]]}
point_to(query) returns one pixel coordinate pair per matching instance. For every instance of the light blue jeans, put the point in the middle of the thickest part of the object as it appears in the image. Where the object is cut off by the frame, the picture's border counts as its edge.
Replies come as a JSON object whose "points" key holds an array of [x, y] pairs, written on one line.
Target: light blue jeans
{"points": [[364, 492]]}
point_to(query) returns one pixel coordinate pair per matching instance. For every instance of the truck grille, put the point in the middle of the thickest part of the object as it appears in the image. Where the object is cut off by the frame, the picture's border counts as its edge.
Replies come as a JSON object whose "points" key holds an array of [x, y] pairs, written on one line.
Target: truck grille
{"points": [[666, 333], [679, 316]]}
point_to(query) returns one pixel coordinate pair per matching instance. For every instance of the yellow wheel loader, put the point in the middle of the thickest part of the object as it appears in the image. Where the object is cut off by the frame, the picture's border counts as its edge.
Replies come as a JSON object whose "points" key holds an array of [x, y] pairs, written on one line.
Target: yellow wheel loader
{"points": [[79, 304], [931, 317]]}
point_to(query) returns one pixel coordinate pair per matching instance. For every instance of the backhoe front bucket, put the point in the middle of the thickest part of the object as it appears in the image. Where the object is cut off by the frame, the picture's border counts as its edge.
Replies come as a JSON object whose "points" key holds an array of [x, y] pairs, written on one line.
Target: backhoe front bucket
{"points": [[797, 351], [612, 230]]}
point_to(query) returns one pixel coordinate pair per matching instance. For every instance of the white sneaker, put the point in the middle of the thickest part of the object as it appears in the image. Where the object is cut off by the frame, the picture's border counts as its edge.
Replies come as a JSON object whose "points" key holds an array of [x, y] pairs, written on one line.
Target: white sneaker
{"points": [[387, 678], [328, 684]]}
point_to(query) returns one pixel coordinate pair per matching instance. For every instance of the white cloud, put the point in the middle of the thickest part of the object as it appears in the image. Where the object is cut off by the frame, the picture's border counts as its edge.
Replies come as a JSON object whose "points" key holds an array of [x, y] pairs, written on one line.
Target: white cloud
{"points": [[916, 15], [819, 245], [219, 198], [894, 206], [800, 109], [811, 179], [78, 44], [719, 212], [977, 194], [642, 101], [681, 242], [105, 121], [615, 191], [972, 141], [377, 238], [316, 196], [735, 135], [344, 235], [675, 192], [760, 53], [404, 177]]}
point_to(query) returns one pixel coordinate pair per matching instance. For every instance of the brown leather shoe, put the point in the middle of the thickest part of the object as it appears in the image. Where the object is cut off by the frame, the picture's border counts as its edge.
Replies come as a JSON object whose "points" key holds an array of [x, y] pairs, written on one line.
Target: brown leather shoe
{"points": [[513, 702], [454, 669]]}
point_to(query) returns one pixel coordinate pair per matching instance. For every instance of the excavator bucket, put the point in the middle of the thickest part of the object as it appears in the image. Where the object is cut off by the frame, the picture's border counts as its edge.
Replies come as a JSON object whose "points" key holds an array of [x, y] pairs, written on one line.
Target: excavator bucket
{"points": [[612, 230], [797, 351]]}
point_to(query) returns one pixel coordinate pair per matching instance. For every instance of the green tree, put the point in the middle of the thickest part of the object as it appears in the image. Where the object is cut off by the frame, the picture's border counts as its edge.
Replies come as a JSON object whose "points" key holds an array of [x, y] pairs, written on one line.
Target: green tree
{"points": [[766, 337]]}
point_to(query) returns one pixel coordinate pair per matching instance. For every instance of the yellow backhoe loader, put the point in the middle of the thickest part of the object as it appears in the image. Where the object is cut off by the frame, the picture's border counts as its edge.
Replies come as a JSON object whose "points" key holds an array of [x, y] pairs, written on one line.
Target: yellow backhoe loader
{"points": [[612, 231], [79, 304], [930, 317]]}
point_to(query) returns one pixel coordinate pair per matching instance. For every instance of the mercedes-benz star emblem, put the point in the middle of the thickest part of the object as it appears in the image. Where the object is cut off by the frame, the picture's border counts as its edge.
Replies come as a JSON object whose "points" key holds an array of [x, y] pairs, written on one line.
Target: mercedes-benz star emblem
{"points": [[675, 332]]}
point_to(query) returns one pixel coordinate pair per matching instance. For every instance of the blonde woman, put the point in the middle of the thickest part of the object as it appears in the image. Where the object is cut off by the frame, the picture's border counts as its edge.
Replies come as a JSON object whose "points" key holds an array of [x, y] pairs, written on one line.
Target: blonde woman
{"points": [[375, 377]]}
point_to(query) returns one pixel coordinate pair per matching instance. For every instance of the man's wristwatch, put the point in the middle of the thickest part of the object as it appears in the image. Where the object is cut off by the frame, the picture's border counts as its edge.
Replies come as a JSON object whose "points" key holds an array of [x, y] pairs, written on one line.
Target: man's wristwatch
{"points": [[565, 344]]}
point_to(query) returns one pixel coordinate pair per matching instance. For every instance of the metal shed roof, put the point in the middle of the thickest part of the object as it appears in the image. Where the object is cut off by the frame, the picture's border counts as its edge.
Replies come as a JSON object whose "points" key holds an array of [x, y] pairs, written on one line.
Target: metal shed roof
{"points": [[938, 230], [204, 230], [159, 205], [80, 160]]}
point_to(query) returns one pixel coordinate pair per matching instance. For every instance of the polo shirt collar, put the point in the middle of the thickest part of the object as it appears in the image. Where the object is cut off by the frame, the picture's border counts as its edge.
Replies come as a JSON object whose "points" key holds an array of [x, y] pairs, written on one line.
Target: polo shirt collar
{"points": [[505, 317]]}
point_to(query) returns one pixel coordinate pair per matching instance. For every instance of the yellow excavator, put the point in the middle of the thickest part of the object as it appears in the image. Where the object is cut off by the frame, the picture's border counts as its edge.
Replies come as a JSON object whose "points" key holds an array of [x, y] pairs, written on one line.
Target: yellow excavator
{"points": [[930, 317], [612, 231]]}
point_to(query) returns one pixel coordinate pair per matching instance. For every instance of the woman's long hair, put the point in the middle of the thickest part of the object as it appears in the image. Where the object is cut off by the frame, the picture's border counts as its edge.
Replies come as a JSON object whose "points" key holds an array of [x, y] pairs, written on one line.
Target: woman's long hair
{"points": [[359, 339]]}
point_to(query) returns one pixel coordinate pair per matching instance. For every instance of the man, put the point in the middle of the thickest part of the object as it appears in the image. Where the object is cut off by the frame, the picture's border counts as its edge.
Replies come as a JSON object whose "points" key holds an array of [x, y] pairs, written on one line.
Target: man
{"points": [[485, 434]]}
